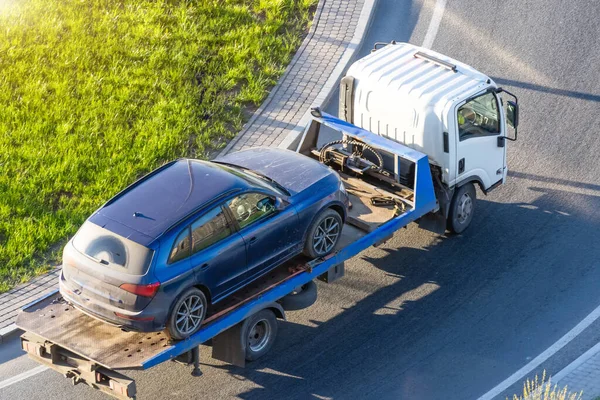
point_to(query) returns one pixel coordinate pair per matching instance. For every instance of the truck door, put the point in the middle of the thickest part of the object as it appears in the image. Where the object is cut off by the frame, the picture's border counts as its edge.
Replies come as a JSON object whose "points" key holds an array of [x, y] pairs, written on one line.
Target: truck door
{"points": [[481, 149]]}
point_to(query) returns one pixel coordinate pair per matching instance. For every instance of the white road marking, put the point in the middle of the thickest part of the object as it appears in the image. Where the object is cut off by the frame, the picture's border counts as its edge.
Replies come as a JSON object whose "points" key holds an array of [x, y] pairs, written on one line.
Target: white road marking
{"points": [[549, 352], [434, 24], [22, 376]]}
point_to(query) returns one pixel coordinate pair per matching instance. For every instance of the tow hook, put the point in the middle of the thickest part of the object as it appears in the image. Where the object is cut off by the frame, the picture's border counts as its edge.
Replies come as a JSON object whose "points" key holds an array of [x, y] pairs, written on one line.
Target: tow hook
{"points": [[74, 376]]}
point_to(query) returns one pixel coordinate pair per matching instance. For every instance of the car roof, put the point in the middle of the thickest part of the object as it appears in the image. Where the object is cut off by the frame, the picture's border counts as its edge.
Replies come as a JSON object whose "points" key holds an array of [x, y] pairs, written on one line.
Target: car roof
{"points": [[152, 205]]}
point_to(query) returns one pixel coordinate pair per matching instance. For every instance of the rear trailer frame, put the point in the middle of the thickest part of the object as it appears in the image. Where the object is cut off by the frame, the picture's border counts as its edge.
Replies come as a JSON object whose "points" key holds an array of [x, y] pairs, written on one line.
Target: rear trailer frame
{"points": [[79, 354]]}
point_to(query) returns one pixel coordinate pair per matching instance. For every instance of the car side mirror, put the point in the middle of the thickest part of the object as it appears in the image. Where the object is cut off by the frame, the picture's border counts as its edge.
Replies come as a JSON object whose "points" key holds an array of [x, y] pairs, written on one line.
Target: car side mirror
{"points": [[280, 204]]}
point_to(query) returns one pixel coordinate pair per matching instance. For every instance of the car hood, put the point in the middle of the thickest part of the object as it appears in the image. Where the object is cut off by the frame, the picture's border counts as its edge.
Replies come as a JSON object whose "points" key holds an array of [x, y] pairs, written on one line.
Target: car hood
{"points": [[291, 170]]}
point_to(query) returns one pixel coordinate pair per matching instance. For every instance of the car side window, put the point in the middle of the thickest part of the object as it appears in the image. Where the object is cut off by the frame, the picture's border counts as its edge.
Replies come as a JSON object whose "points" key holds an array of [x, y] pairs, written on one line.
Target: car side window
{"points": [[181, 247], [209, 229], [479, 117], [250, 207]]}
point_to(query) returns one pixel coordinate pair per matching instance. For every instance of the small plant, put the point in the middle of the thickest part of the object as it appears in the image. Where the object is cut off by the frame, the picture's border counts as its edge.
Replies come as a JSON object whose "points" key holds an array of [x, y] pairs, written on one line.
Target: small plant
{"points": [[543, 390]]}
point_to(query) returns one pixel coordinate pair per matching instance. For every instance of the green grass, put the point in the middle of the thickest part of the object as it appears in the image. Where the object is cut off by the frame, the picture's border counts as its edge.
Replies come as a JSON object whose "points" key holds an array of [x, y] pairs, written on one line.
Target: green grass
{"points": [[95, 93]]}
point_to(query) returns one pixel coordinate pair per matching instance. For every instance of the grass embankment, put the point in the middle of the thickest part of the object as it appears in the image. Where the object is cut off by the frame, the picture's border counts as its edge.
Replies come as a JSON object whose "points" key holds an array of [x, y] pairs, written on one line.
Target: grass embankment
{"points": [[93, 94]]}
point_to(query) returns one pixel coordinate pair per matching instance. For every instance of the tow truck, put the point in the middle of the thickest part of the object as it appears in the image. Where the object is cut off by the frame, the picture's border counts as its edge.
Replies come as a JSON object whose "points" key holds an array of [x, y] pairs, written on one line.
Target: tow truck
{"points": [[390, 184], [90, 351]]}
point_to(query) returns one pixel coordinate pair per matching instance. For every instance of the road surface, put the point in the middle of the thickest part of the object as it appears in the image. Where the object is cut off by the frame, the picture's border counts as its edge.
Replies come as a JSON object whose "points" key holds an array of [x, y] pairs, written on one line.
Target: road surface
{"points": [[429, 317]]}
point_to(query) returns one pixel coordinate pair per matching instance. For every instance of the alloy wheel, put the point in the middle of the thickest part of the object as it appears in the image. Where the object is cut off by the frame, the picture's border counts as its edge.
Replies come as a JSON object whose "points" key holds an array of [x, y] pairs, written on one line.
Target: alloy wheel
{"points": [[326, 235], [189, 315]]}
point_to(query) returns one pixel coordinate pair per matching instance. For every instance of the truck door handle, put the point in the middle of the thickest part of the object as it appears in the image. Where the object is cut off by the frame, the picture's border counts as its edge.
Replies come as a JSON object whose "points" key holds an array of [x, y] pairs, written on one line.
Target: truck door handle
{"points": [[204, 266], [461, 165], [252, 240]]}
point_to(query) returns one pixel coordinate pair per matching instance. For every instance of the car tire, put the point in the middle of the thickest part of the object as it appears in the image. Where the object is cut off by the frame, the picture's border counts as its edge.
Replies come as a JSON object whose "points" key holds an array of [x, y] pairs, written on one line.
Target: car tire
{"points": [[303, 297], [323, 234], [187, 314], [462, 208], [259, 331]]}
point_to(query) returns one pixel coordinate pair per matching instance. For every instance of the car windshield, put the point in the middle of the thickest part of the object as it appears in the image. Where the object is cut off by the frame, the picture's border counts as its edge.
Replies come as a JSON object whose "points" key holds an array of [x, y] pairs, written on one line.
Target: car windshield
{"points": [[111, 250], [254, 177]]}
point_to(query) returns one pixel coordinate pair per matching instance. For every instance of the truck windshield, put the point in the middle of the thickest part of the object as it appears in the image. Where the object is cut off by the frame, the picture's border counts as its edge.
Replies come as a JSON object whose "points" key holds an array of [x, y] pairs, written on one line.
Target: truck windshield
{"points": [[111, 250]]}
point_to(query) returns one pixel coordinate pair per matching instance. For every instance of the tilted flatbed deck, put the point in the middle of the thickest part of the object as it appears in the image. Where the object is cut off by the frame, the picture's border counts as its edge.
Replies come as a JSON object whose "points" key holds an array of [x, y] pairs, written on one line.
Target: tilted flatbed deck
{"points": [[91, 351]]}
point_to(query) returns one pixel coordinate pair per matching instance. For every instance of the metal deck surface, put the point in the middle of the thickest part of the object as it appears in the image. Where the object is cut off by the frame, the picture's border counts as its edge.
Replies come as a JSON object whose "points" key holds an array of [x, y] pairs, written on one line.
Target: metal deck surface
{"points": [[58, 322], [365, 215]]}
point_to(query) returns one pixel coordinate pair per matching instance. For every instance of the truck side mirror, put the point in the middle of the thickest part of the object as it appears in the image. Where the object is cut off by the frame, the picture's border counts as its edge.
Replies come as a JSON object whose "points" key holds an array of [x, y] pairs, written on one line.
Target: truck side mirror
{"points": [[512, 117], [512, 113]]}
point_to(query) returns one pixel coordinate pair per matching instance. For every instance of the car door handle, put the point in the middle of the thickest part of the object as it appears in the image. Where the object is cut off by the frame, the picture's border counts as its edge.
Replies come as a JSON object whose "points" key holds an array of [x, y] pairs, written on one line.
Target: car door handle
{"points": [[253, 239], [204, 266]]}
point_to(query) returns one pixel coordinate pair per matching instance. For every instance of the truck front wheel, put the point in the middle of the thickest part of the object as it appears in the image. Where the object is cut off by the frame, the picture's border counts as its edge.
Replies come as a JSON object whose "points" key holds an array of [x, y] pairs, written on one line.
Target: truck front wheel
{"points": [[462, 208]]}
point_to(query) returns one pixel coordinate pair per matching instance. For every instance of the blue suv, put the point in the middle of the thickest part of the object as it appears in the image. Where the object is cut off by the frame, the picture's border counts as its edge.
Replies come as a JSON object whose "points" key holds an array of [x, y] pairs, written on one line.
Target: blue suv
{"points": [[192, 232]]}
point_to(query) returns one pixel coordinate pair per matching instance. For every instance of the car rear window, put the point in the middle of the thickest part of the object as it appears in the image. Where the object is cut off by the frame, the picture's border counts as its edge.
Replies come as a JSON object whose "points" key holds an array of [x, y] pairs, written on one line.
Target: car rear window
{"points": [[111, 250]]}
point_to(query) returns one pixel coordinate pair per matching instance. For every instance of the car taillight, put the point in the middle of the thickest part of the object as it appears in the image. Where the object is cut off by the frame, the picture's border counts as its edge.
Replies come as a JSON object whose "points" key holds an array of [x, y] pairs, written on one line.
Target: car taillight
{"points": [[141, 290]]}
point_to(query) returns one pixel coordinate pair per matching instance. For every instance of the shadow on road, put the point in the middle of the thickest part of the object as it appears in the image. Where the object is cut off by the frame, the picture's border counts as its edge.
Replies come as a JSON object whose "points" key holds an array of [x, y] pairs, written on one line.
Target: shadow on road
{"points": [[546, 89], [413, 317], [10, 348]]}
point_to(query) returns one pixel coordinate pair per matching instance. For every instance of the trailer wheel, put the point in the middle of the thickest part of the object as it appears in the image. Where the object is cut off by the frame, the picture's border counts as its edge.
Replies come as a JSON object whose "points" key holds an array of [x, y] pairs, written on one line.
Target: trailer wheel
{"points": [[187, 314], [259, 332], [462, 208], [303, 297]]}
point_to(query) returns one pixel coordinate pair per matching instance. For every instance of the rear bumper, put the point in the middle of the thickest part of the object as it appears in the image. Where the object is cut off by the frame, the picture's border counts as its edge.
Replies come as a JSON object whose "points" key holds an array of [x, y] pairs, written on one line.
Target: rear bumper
{"points": [[104, 314]]}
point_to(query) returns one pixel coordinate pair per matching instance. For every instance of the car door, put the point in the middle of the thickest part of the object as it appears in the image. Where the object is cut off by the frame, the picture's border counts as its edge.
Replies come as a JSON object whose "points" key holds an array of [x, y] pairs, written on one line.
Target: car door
{"points": [[269, 232], [481, 150], [218, 253]]}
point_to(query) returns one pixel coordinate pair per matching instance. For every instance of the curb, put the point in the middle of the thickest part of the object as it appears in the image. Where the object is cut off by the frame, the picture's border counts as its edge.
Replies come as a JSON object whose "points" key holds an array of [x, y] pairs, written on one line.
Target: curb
{"points": [[292, 140], [563, 373], [10, 329], [4, 332], [278, 86]]}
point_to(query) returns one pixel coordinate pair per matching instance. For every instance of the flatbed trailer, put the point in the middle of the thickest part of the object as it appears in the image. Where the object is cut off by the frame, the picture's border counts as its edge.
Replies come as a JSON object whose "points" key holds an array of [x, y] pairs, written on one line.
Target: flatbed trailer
{"points": [[90, 351]]}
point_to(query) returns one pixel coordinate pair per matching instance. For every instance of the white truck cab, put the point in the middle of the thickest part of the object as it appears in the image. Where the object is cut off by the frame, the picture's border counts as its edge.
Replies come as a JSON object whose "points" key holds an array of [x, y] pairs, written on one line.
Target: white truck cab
{"points": [[438, 106]]}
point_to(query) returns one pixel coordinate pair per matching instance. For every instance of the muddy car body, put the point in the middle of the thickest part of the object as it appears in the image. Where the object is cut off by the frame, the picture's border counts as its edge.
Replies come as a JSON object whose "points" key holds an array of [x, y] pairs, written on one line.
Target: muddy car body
{"points": [[199, 231]]}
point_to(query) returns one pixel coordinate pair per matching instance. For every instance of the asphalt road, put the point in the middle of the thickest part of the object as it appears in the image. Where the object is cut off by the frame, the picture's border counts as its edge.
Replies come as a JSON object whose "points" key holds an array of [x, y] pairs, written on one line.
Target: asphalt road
{"points": [[429, 317]]}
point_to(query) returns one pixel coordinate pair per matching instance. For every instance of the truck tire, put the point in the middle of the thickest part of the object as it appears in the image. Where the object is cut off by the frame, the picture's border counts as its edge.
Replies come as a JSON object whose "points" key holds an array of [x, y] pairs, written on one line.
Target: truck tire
{"points": [[462, 208], [187, 314], [259, 331], [303, 297], [323, 234]]}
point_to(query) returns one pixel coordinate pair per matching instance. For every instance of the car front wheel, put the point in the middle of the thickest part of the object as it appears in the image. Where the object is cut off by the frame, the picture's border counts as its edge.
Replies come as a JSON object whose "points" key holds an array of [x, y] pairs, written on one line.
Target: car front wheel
{"points": [[323, 234], [187, 314]]}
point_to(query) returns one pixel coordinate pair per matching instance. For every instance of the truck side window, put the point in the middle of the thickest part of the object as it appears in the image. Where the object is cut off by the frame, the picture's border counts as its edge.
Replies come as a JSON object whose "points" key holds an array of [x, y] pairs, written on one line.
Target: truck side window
{"points": [[479, 117]]}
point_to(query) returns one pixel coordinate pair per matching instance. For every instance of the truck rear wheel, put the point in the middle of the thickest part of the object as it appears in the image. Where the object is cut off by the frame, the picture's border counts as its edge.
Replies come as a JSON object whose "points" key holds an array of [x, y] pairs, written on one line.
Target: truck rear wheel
{"points": [[259, 331], [462, 208]]}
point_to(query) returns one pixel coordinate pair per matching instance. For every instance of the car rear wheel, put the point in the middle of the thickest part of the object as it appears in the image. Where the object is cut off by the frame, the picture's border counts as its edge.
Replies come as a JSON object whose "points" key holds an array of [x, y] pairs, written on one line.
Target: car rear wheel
{"points": [[323, 234], [187, 314]]}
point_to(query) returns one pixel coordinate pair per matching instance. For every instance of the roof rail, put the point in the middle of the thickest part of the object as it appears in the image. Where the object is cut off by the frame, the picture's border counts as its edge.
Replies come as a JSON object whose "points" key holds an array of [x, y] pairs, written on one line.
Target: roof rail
{"points": [[435, 60]]}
